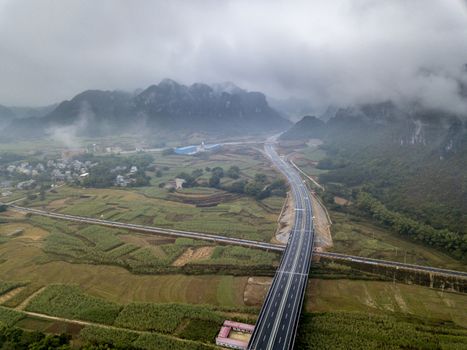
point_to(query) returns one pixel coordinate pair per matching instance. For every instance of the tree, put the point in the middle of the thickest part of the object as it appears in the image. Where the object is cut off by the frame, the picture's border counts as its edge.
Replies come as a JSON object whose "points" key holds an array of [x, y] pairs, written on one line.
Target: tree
{"points": [[237, 187], [233, 172], [218, 171], [253, 189], [260, 178], [214, 181]]}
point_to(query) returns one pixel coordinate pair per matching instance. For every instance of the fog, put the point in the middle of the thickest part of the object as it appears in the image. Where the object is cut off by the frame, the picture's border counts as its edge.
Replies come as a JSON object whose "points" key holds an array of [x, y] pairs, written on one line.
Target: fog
{"points": [[329, 52]]}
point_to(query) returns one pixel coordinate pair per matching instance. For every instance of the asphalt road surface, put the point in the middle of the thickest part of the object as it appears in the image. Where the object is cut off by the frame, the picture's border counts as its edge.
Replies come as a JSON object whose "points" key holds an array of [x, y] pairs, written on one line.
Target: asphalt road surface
{"points": [[278, 320]]}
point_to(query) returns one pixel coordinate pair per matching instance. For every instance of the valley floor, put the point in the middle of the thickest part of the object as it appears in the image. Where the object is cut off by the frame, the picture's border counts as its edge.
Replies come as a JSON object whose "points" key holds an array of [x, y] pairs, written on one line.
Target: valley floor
{"points": [[175, 293]]}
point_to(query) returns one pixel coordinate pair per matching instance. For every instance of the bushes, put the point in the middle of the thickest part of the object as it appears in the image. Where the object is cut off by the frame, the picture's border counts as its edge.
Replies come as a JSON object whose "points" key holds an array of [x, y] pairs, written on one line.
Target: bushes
{"points": [[70, 302], [200, 330], [15, 338], [98, 335], [159, 342], [363, 331], [9, 317], [163, 318]]}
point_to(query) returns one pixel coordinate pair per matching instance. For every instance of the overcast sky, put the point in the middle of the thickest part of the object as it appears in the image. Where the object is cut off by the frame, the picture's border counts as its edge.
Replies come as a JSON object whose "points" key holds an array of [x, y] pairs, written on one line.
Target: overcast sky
{"points": [[330, 52]]}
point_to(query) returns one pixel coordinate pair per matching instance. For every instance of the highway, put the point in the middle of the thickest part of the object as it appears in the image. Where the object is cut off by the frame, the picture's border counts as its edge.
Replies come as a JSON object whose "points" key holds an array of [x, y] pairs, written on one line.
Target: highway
{"points": [[277, 323]]}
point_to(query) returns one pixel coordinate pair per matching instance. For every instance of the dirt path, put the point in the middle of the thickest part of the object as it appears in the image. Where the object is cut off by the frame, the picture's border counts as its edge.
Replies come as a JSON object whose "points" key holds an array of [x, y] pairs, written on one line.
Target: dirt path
{"points": [[7, 296], [26, 301], [100, 325], [192, 254]]}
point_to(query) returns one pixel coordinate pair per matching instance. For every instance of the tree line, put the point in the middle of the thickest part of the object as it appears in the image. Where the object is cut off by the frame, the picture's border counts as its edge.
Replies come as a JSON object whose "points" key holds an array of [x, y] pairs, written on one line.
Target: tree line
{"points": [[259, 188], [451, 242]]}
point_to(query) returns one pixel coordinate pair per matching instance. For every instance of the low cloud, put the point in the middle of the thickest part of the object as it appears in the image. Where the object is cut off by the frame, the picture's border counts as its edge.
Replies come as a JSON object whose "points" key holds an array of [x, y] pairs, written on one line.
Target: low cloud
{"points": [[67, 135], [329, 52]]}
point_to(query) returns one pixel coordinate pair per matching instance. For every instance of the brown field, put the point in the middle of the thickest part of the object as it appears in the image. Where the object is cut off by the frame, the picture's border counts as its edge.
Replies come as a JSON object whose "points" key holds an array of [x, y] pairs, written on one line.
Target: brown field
{"points": [[193, 254]]}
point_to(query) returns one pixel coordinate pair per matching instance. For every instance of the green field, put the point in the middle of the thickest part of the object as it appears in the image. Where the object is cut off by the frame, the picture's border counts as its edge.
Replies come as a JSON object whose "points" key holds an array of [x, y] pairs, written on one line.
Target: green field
{"points": [[358, 236], [138, 253], [363, 331], [242, 217], [71, 303], [27, 262], [386, 298]]}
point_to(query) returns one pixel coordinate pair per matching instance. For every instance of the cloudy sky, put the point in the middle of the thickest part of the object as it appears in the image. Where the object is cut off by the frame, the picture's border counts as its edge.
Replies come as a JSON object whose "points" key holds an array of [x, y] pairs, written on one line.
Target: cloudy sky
{"points": [[330, 52]]}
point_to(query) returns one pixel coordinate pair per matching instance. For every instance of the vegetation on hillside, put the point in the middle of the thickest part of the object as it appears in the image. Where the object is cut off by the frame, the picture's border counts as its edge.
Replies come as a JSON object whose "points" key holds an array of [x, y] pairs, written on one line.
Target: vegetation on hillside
{"points": [[413, 165], [454, 243]]}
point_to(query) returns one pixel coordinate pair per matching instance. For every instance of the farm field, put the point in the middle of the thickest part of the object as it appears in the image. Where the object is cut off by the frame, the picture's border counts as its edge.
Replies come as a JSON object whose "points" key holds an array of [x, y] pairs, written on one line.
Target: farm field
{"points": [[340, 330], [179, 320], [240, 217], [202, 209], [177, 291], [384, 298], [39, 256], [56, 240]]}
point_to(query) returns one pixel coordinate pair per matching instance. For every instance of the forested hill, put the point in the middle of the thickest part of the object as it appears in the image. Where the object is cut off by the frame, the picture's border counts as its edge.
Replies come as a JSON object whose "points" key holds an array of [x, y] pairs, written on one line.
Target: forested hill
{"points": [[221, 109], [413, 164]]}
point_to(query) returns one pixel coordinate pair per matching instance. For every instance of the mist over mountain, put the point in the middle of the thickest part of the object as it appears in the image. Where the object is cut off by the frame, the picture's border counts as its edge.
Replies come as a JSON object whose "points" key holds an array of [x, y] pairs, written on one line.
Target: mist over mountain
{"points": [[6, 115], [222, 109], [404, 126], [412, 159]]}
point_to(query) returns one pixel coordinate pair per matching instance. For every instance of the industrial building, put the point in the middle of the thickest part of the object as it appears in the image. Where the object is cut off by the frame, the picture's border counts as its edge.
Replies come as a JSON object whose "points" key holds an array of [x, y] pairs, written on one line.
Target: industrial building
{"points": [[193, 149]]}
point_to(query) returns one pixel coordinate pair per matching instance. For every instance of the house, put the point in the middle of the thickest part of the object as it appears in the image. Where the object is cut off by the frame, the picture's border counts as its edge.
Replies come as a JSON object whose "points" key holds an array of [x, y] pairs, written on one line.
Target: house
{"points": [[121, 181]]}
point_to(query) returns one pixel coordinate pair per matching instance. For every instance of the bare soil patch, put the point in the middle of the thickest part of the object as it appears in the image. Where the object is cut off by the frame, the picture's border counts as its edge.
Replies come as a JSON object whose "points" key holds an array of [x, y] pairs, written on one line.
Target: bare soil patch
{"points": [[285, 221], [322, 223], [255, 290], [341, 201], [240, 336], [13, 214], [58, 203], [192, 254], [7, 296]]}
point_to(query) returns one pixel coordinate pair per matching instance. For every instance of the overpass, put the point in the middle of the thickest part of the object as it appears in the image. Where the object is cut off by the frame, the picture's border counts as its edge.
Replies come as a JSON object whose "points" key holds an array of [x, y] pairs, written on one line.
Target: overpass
{"points": [[151, 229], [234, 241]]}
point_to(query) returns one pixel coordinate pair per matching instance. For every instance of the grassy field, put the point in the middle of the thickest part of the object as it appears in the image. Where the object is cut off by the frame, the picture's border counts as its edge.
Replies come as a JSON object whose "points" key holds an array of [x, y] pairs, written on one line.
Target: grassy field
{"points": [[358, 236], [376, 297], [69, 302], [25, 261]]}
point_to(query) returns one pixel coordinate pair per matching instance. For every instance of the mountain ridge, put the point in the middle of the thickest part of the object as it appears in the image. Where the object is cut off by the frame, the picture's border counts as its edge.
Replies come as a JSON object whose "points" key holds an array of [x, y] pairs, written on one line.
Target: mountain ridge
{"points": [[167, 105]]}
